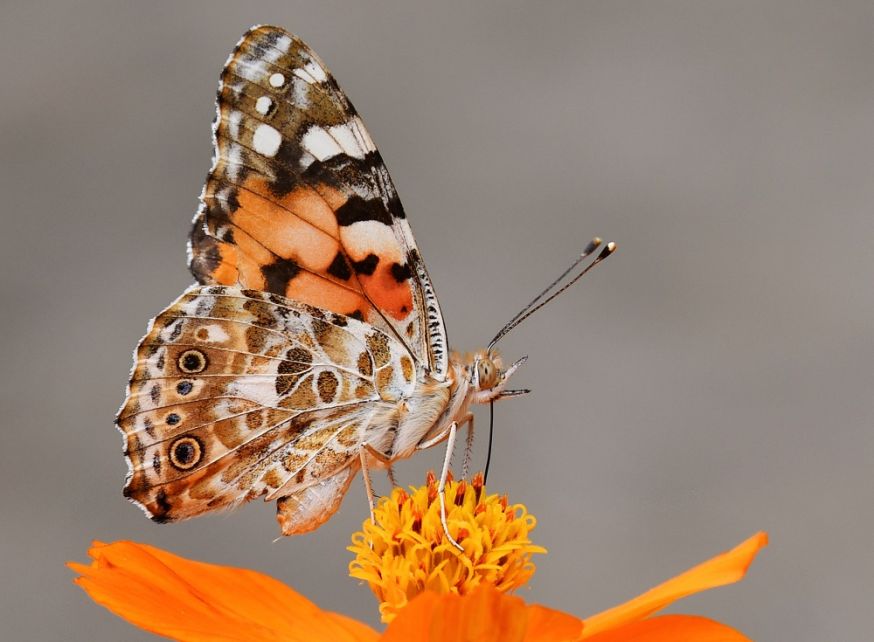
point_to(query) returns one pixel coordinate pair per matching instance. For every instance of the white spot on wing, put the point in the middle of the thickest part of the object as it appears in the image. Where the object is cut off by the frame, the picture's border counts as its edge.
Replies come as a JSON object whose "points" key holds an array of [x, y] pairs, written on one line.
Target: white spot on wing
{"points": [[303, 75], [320, 144], [266, 140], [234, 124], [216, 334], [277, 80], [234, 161], [263, 105], [347, 140], [338, 139], [253, 71], [366, 237], [283, 43], [362, 134], [299, 89], [315, 70], [261, 390]]}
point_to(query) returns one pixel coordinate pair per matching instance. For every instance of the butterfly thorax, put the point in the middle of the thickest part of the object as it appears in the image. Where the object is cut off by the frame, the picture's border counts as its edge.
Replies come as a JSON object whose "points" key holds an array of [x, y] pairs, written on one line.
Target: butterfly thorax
{"points": [[471, 378]]}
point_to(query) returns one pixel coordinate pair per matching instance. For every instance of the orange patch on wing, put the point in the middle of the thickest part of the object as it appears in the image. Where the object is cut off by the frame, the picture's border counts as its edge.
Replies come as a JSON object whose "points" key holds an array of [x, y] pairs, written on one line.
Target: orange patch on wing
{"points": [[226, 271], [284, 233], [253, 248], [309, 205], [303, 228], [236, 267], [322, 293], [387, 294], [250, 274]]}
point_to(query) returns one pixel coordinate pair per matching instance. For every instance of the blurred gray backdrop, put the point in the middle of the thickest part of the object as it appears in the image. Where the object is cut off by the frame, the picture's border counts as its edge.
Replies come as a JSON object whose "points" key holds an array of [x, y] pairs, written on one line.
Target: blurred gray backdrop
{"points": [[712, 379]]}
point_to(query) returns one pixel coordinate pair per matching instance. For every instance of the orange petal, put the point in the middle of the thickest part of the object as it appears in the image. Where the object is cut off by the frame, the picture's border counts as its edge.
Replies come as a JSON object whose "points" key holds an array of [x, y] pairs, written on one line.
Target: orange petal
{"points": [[195, 602], [726, 568], [413, 622], [548, 625], [672, 628], [483, 615]]}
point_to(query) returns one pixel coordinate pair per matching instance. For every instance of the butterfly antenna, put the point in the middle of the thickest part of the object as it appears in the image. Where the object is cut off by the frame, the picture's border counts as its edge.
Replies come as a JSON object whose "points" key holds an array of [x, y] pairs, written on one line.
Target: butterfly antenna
{"points": [[536, 302], [593, 245], [491, 437]]}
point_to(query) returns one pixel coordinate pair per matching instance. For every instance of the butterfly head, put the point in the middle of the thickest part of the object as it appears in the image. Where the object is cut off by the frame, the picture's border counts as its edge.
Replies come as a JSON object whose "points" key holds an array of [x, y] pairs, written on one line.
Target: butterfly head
{"points": [[486, 375], [488, 378]]}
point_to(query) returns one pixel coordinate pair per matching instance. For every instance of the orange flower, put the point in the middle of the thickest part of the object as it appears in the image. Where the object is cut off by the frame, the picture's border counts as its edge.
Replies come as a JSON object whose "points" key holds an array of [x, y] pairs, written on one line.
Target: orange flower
{"points": [[195, 602], [428, 590]]}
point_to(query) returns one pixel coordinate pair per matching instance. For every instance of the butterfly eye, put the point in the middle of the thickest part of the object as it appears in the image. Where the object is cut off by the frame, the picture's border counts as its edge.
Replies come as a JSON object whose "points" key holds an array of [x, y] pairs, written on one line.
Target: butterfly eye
{"points": [[486, 373]]}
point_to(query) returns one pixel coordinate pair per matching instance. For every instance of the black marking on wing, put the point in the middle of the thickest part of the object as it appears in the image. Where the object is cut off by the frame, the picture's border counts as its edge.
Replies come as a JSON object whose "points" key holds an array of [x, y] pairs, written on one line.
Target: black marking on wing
{"points": [[367, 265], [357, 209], [279, 273], [401, 272], [340, 268]]}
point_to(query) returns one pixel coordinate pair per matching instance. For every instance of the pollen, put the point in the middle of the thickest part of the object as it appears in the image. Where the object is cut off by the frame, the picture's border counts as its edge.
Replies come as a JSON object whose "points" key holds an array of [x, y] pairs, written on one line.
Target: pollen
{"points": [[404, 551]]}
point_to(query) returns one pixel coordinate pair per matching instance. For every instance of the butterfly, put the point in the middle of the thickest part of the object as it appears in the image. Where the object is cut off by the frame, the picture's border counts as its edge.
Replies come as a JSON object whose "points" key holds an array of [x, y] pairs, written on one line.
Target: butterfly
{"points": [[312, 344]]}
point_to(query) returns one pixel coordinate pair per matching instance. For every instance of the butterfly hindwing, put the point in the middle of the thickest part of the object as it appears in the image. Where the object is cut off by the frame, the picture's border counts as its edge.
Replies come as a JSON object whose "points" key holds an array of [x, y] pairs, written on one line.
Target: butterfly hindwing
{"points": [[237, 393], [299, 202], [309, 508]]}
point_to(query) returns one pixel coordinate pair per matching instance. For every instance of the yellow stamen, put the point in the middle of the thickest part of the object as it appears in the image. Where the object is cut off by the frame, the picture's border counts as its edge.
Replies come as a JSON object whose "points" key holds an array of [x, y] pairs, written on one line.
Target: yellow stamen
{"points": [[406, 551]]}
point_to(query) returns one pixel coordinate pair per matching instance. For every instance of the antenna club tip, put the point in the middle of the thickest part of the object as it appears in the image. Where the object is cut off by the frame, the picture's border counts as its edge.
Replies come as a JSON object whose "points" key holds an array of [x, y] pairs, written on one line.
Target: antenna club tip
{"points": [[607, 251], [593, 245]]}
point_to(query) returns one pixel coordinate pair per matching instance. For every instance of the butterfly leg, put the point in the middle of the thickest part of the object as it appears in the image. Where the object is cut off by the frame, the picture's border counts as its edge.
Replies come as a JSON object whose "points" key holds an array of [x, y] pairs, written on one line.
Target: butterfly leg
{"points": [[435, 440], [390, 471], [365, 473], [468, 446], [441, 487], [363, 452], [423, 445], [378, 455]]}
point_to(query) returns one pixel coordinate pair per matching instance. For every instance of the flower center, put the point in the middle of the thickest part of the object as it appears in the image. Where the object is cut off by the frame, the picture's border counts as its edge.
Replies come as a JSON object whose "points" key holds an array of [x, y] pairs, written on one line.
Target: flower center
{"points": [[405, 551]]}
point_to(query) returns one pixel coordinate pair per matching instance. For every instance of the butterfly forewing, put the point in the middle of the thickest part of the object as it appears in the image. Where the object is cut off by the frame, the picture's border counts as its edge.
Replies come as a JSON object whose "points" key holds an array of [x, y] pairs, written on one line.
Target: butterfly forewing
{"points": [[300, 204], [239, 393]]}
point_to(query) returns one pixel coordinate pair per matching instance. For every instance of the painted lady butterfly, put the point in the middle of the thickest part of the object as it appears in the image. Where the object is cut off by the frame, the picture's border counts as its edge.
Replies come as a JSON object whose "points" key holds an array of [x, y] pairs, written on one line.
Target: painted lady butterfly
{"points": [[313, 343]]}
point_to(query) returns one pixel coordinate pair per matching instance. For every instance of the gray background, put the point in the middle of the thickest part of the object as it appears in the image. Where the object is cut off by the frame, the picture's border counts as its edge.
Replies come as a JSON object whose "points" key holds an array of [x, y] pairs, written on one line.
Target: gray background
{"points": [[711, 379]]}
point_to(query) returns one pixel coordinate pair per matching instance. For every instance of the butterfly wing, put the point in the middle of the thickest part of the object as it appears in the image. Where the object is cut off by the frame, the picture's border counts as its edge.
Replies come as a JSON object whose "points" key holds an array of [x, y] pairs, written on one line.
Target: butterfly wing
{"points": [[299, 203], [305, 510], [237, 393]]}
